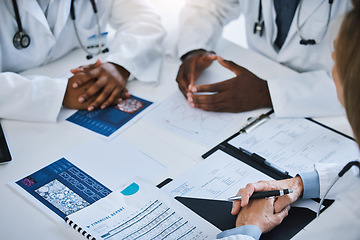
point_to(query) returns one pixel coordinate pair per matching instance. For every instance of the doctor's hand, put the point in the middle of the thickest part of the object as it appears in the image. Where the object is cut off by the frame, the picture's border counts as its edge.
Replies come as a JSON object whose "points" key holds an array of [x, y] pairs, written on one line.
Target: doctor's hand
{"points": [[260, 212], [280, 203], [194, 63], [244, 92], [108, 83]]}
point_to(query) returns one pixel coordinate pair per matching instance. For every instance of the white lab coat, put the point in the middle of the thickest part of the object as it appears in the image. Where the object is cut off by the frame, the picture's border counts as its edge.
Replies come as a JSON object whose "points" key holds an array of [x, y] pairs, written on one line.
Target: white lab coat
{"points": [[342, 219], [309, 94], [136, 46]]}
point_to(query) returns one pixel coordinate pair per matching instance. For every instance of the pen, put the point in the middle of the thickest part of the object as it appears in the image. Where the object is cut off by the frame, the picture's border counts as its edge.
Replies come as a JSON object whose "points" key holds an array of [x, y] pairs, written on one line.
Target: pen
{"points": [[258, 121], [266, 194]]}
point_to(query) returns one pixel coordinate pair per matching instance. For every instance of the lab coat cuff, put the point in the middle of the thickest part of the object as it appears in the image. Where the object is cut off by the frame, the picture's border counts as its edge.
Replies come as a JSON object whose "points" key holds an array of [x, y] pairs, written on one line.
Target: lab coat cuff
{"points": [[311, 184], [247, 230], [182, 50], [150, 73], [294, 95]]}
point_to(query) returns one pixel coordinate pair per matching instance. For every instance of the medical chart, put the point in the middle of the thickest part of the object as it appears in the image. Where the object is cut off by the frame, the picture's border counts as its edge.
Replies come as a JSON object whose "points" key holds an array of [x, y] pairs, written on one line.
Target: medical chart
{"points": [[84, 176], [219, 176], [204, 127], [295, 145], [107, 121], [140, 211]]}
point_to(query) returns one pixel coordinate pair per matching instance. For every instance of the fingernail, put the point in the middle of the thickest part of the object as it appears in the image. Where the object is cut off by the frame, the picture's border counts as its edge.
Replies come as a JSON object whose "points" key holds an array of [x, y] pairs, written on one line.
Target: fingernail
{"points": [[190, 100], [103, 106], [75, 85], [193, 89], [90, 108], [81, 99], [192, 105]]}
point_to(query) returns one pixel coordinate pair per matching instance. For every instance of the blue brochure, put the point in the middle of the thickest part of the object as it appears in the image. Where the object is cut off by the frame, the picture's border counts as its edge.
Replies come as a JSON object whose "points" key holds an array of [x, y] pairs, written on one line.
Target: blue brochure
{"points": [[107, 121], [63, 188]]}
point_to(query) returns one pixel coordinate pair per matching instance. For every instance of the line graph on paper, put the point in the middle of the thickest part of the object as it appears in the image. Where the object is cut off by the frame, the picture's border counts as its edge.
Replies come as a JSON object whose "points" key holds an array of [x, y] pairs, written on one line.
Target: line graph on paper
{"points": [[207, 128]]}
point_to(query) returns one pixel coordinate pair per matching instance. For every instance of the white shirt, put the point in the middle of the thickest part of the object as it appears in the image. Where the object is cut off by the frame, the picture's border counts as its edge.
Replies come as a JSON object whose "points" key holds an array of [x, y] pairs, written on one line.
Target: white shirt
{"points": [[309, 94], [136, 46]]}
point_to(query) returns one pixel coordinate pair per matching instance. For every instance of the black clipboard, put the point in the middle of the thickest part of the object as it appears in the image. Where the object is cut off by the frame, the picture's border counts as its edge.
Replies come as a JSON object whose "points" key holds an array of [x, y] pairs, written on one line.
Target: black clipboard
{"points": [[218, 213]]}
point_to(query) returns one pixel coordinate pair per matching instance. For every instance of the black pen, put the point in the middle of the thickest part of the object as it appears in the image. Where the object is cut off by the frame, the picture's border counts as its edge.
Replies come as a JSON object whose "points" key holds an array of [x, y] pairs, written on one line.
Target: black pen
{"points": [[266, 194]]}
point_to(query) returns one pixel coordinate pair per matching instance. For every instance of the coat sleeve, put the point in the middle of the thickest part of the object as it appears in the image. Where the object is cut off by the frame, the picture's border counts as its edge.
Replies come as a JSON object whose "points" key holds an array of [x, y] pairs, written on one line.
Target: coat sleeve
{"points": [[202, 21], [327, 173], [309, 94], [35, 98], [137, 45]]}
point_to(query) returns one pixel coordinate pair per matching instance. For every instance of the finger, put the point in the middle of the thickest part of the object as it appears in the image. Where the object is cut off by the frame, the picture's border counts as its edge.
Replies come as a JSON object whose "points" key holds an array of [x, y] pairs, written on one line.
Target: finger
{"points": [[104, 95], [215, 87], [282, 202], [93, 89], [236, 206], [191, 73], [230, 65], [246, 193], [112, 99], [77, 70], [282, 214], [182, 81], [86, 67], [85, 76]]}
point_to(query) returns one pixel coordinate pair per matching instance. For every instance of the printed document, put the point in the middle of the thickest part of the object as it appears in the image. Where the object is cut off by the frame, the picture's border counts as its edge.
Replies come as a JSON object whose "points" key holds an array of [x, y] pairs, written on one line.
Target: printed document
{"points": [[219, 176], [141, 211], [295, 145]]}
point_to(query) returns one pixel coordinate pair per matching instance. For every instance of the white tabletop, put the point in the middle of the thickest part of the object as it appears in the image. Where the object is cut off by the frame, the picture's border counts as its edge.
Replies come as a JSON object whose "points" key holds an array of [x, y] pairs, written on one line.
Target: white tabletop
{"points": [[35, 145]]}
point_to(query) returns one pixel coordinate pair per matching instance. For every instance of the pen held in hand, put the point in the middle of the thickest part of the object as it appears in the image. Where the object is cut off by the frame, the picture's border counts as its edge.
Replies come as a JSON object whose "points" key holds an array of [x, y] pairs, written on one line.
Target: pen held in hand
{"points": [[266, 194]]}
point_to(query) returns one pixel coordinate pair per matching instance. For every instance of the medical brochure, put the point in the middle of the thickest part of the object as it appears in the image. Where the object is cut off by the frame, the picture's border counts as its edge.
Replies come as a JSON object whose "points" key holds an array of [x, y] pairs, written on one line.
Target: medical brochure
{"points": [[107, 121]]}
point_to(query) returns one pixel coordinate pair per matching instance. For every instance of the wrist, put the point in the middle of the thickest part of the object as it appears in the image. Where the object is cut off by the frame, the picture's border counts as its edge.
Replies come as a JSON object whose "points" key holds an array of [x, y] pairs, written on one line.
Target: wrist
{"points": [[195, 52]]}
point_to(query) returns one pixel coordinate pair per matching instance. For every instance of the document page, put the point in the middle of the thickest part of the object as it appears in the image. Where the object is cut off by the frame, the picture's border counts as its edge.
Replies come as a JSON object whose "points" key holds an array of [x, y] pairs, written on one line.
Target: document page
{"points": [[141, 211], [204, 127], [295, 145], [219, 176]]}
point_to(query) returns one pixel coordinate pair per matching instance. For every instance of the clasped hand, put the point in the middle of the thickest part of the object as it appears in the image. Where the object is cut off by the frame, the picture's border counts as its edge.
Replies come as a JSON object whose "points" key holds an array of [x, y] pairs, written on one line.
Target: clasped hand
{"points": [[244, 92], [96, 85], [266, 213]]}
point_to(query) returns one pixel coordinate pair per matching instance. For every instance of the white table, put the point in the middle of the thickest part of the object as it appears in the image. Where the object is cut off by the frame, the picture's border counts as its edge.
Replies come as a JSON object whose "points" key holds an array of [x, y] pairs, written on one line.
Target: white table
{"points": [[35, 145]]}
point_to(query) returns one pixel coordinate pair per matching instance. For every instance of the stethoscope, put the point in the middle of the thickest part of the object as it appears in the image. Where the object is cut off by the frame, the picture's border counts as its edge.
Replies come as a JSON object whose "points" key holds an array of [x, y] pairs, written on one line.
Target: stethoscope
{"points": [[22, 40], [340, 174], [259, 25]]}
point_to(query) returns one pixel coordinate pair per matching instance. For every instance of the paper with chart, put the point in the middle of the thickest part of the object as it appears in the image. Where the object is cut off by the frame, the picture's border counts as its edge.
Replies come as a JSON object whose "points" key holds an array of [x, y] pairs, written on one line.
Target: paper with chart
{"points": [[295, 145], [84, 176], [141, 211], [207, 128], [109, 120], [219, 176]]}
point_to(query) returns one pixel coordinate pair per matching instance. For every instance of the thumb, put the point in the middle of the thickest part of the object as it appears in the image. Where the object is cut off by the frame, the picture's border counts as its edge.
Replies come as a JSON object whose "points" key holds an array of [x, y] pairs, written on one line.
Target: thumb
{"points": [[98, 63], [229, 65]]}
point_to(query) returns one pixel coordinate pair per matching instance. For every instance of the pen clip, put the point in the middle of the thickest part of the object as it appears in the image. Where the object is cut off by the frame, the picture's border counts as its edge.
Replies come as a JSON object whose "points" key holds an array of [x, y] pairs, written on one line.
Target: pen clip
{"points": [[262, 161], [256, 122]]}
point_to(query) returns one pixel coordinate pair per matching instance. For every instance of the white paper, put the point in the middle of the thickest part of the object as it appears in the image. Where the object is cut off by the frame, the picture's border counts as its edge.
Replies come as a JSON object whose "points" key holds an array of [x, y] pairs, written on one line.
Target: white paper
{"points": [[219, 176], [143, 213], [114, 162], [204, 127], [295, 145]]}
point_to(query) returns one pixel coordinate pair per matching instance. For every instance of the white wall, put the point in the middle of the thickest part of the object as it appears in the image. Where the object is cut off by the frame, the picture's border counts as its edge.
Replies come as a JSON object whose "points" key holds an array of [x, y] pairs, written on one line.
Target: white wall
{"points": [[169, 11]]}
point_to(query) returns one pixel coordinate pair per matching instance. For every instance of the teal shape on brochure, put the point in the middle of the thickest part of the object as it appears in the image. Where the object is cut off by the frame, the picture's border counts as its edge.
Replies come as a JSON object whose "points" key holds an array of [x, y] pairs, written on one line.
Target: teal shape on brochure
{"points": [[131, 189]]}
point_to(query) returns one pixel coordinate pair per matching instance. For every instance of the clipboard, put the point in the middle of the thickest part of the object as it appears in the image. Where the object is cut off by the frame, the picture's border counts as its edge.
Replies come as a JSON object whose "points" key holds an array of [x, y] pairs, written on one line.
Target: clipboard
{"points": [[252, 158], [218, 213]]}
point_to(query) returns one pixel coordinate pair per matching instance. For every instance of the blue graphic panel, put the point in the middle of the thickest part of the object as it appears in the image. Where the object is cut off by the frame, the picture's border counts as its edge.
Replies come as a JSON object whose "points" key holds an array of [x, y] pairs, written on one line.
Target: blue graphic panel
{"points": [[107, 121], [63, 187]]}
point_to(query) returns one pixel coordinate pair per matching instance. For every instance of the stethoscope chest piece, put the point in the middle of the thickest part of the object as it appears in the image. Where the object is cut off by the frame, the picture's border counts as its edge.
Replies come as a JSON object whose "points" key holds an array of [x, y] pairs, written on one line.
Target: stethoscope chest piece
{"points": [[21, 40]]}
